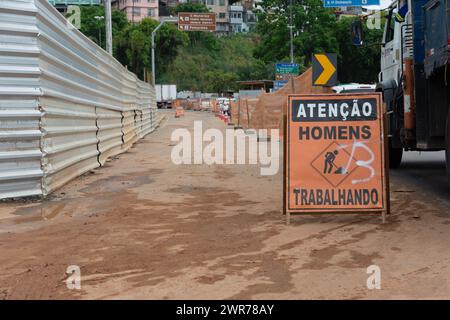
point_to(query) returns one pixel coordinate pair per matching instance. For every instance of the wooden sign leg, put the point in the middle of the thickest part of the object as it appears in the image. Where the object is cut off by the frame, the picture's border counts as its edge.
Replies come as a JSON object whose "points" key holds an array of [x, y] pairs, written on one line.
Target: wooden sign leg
{"points": [[288, 218], [387, 189]]}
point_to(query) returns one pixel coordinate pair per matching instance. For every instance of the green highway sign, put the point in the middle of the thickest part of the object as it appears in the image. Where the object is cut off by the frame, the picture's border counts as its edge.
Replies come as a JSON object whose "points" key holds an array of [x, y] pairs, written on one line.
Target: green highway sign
{"points": [[287, 68]]}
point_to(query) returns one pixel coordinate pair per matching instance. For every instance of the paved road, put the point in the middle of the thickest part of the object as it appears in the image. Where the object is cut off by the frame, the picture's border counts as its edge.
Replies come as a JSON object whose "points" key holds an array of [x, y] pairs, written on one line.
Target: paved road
{"points": [[142, 227], [425, 170]]}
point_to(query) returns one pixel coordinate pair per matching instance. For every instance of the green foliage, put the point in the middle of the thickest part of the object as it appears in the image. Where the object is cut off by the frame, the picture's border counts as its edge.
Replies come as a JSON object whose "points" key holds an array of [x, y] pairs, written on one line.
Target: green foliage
{"points": [[95, 29], [200, 68], [201, 61], [364, 60], [313, 30], [133, 46], [213, 64], [220, 81], [316, 29]]}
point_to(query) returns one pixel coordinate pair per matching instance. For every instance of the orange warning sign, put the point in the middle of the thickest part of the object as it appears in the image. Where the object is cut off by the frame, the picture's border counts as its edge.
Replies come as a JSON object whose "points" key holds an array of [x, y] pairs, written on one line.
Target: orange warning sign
{"points": [[334, 154]]}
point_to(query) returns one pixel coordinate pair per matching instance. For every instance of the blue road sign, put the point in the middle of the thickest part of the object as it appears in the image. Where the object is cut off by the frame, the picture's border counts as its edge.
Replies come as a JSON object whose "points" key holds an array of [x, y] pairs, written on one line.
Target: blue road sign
{"points": [[350, 3], [278, 84]]}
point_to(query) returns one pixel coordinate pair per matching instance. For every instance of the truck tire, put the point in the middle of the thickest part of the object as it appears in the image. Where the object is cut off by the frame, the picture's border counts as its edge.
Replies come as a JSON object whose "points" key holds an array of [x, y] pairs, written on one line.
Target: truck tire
{"points": [[447, 147], [395, 156]]}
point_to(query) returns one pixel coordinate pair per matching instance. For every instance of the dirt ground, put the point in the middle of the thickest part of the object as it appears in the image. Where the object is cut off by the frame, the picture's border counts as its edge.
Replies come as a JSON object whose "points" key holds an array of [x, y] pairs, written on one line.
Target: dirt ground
{"points": [[144, 228]]}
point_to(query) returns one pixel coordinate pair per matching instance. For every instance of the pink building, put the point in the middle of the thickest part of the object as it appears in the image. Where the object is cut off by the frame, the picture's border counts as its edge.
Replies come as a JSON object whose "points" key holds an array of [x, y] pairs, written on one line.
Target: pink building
{"points": [[137, 10]]}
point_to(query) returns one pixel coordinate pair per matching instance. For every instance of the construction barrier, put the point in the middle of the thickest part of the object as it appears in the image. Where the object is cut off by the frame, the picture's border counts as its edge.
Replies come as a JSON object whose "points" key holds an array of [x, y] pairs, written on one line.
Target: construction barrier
{"points": [[179, 111], [66, 105], [266, 111]]}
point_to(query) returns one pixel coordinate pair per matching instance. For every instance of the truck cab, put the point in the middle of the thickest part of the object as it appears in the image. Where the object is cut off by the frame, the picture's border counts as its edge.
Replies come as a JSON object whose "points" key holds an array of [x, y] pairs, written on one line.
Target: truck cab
{"points": [[390, 50], [415, 55]]}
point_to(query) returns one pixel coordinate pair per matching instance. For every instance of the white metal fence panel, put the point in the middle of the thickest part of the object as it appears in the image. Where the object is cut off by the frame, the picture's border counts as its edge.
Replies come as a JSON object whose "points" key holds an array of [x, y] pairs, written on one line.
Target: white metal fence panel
{"points": [[109, 123], [66, 105], [69, 141], [128, 130], [20, 154]]}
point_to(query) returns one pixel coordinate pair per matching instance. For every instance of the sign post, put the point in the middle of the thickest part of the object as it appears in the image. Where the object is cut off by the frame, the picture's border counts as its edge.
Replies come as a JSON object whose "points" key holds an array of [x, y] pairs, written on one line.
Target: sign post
{"points": [[196, 21], [335, 155]]}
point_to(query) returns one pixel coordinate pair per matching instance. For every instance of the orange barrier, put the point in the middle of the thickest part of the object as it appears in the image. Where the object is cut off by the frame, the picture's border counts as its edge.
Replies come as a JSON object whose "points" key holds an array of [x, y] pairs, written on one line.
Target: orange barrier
{"points": [[179, 111], [213, 105], [234, 110], [195, 104]]}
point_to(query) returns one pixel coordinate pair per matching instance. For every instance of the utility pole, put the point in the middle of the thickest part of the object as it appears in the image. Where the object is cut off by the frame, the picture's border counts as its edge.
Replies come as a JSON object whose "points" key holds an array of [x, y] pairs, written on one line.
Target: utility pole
{"points": [[291, 35], [108, 25]]}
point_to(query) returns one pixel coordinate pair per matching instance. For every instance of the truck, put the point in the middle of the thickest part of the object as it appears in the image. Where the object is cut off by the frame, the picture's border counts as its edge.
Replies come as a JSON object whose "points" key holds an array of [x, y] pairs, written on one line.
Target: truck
{"points": [[414, 77], [165, 94]]}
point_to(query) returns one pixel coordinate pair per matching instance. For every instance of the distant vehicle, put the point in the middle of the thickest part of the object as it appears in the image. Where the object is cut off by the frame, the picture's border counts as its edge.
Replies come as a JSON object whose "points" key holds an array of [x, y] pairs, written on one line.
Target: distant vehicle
{"points": [[222, 104], [223, 101], [354, 87], [165, 94]]}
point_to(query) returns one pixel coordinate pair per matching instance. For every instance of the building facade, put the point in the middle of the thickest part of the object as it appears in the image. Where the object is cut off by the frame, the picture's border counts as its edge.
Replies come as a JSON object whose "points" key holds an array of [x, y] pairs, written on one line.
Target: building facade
{"points": [[241, 16], [75, 2], [136, 10], [235, 14], [61, 5], [232, 16], [166, 5], [220, 8]]}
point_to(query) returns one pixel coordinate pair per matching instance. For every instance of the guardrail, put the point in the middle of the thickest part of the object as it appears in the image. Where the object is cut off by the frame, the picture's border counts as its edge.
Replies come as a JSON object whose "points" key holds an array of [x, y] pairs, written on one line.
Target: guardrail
{"points": [[66, 105]]}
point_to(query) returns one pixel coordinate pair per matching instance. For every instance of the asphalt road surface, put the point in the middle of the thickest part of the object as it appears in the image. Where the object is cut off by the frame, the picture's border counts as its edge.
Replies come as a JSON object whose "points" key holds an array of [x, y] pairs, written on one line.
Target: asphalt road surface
{"points": [[425, 170]]}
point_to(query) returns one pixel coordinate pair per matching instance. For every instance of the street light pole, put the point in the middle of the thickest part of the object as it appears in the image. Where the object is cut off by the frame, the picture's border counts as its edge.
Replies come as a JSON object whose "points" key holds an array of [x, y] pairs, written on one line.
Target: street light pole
{"points": [[153, 46], [153, 51], [291, 35], [99, 18]]}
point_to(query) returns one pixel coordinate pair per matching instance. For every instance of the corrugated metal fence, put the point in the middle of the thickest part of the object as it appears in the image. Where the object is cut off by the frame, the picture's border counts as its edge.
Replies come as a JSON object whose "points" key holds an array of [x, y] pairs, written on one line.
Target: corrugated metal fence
{"points": [[66, 105]]}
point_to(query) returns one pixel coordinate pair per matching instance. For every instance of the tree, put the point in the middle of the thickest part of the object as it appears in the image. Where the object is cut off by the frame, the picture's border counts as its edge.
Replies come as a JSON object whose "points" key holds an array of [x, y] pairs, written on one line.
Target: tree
{"points": [[219, 81], [197, 67], [133, 46], [95, 29], [313, 30], [316, 30], [364, 60]]}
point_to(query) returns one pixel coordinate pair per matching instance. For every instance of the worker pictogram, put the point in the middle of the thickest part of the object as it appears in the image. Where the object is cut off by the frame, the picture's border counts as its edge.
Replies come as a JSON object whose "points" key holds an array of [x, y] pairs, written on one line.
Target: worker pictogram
{"points": [[334, 164]]}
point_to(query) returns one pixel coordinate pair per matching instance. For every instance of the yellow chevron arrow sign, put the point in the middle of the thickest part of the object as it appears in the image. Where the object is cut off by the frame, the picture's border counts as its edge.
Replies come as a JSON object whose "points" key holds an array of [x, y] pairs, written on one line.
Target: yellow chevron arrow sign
{"points": [[324, 69]]}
